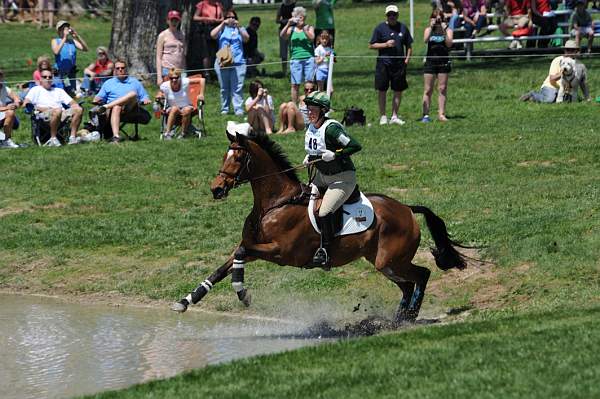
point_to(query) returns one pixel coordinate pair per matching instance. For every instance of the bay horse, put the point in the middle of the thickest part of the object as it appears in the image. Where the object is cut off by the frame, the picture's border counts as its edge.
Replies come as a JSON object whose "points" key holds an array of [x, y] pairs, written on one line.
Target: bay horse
{"points": [[278, 229]]}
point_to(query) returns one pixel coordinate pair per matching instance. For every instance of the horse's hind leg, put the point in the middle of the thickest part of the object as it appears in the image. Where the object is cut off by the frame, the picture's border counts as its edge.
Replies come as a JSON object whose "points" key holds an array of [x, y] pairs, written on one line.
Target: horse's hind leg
{"points": [[421, 277], [412, 280]]}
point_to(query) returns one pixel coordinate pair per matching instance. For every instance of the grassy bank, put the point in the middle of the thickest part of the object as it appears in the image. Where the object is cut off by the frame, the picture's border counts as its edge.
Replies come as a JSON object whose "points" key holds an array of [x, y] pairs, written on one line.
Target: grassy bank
{"points": [[523, 356]]}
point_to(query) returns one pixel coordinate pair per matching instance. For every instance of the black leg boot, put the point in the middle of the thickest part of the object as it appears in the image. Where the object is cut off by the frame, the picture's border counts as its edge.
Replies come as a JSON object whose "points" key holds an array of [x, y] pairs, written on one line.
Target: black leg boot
{"points": [[321, 257]]}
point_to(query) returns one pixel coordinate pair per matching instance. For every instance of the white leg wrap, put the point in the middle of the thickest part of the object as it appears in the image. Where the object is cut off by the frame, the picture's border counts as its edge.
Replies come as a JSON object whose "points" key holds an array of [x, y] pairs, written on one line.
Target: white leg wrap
{"points": [[237, 275]]}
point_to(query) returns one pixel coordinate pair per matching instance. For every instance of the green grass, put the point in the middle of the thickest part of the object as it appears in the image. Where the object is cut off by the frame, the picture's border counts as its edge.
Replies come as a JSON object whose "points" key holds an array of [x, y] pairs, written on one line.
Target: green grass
{"points": [[546, 355], [137, 220]]}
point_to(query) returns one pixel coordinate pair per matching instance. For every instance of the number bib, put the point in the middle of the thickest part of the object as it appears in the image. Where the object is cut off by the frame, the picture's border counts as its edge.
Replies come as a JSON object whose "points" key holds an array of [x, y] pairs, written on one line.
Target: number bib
{"points": [[314, 140]]}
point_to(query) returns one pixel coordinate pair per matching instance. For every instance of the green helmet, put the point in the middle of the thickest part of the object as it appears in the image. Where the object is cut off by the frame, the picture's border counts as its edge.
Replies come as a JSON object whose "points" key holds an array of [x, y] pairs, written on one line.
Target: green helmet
{"points": [[318, 98]]}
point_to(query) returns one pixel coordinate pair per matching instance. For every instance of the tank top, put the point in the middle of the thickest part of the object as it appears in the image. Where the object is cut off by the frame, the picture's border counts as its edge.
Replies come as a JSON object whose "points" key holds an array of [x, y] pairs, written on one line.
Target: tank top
{"points": [[301, 47], [437, 52]]}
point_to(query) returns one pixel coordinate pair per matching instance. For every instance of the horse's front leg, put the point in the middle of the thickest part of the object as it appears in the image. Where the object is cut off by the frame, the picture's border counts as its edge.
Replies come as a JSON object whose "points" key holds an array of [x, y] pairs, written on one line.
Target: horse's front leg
{"points": [[242, 254]]}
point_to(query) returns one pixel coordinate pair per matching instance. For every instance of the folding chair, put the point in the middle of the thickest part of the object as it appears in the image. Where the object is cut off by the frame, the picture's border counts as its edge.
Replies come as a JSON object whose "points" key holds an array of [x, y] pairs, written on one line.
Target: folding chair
{"points": [[40, 128]]}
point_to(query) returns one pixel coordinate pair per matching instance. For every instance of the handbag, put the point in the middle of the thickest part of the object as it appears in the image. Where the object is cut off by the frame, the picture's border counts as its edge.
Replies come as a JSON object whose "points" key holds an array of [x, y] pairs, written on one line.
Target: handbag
{"points": [[224, 56]]}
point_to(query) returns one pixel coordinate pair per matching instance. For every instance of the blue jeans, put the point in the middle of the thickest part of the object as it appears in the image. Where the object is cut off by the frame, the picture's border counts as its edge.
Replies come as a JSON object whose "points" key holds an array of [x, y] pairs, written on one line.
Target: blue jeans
{"points": [[545, 95], [231, 80], [479, 24]]}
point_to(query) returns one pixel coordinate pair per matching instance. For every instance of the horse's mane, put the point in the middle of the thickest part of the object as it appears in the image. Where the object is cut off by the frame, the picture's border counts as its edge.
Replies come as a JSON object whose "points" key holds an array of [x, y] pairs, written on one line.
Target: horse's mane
{"points": [[277, 154]]}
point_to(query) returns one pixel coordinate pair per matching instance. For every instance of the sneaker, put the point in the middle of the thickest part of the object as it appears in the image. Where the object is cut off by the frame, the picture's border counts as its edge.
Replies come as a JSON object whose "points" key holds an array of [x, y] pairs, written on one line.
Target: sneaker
{"points": [[98, 110], [53, 142], [383, 120], [394, 120], [425, 119], [74, 140], [168, 136], [525, 97], [8, 143], [116, 139]]}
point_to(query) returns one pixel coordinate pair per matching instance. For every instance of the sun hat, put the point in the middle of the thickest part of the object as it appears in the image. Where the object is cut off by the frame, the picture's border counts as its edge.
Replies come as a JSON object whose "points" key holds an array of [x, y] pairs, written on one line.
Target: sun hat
{"points": [[174, 14], [571, 45], [318, 98], [60, 24], [391, 8], [240, 128]]}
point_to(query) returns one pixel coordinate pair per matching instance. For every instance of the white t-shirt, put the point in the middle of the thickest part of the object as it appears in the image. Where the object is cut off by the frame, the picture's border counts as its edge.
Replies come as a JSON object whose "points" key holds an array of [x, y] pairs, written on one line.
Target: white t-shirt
{"points": [[321, 51], [179, 98], [5, 97], [53, 98], [263, 103]]}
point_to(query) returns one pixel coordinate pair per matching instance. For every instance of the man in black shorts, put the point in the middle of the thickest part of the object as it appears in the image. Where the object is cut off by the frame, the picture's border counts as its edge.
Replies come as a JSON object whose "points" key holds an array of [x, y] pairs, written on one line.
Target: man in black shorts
{"points": [[393, 41]]}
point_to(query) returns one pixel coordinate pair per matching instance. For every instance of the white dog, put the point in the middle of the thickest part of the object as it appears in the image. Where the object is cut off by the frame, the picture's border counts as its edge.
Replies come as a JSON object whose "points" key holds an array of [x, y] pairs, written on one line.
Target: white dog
{"points": [[573, 76]]}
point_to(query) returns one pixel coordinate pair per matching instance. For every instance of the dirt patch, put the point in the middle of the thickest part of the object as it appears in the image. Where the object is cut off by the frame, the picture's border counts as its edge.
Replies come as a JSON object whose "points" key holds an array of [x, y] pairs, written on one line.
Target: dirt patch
{"points": [[536, 163], [397, 167]]}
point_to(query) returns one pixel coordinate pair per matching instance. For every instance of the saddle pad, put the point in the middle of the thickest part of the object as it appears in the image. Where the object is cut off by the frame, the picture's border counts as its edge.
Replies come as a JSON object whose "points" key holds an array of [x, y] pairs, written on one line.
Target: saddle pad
{"points": [[357, 217]]}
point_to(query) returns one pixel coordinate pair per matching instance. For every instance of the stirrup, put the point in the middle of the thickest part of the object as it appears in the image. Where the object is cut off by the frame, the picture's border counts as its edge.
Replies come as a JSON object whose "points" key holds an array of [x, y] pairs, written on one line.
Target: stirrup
{"points": [[321, 257]]}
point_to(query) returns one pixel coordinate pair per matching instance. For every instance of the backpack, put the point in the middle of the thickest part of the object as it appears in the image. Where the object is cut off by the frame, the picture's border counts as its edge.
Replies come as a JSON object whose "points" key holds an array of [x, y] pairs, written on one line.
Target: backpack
{"points": [[353, 116]]}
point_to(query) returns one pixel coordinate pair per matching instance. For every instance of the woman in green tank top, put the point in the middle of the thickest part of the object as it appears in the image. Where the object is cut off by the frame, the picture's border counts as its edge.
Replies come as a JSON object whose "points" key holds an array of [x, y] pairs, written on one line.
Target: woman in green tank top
{"points": [[301, 37]]}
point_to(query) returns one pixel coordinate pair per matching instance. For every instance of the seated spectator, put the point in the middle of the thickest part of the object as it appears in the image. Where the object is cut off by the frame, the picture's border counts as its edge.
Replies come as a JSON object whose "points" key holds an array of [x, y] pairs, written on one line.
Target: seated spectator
{"points": [[543, 16], [97, 72], [50, 102], [452, 10], [253, 56], [65, 48], [322, 54], [259, 106], [9, 102], [293, 118], [549, 89], [517, 15], [474, 16], [582, 25], [120, 96], [175, 90], [43, 62]]}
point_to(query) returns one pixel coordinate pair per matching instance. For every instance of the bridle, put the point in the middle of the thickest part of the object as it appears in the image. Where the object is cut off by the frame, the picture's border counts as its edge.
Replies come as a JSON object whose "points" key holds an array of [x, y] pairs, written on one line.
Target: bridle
{"points": [[237, 180]]}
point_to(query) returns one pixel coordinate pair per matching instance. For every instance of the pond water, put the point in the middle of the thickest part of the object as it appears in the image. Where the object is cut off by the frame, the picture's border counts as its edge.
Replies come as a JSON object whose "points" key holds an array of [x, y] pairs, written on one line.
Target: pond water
{"points": [[53, 349]]}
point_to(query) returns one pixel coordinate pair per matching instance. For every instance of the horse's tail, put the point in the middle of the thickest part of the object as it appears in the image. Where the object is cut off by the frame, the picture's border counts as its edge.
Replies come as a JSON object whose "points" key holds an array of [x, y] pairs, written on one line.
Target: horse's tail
{"points": [[446, 256]]}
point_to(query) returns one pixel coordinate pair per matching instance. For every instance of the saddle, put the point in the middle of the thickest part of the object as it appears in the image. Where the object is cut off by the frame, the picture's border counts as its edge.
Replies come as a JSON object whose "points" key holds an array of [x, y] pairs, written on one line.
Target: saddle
{"points": [[354, 216]]}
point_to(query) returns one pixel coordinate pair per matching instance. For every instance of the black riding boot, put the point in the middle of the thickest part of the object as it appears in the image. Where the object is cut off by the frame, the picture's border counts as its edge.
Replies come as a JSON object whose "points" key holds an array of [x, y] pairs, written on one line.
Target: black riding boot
{"points": [[321, 257]]}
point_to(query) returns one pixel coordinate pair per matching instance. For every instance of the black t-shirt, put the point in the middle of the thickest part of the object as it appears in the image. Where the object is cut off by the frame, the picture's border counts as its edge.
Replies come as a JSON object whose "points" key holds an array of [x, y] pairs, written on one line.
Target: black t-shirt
{"points": [[251, 45], [401, 35], [285, 11]]}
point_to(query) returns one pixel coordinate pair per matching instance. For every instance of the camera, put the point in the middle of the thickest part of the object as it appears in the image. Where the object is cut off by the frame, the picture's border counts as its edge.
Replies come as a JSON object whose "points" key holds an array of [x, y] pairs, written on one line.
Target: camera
{"points": [[293, 21]]}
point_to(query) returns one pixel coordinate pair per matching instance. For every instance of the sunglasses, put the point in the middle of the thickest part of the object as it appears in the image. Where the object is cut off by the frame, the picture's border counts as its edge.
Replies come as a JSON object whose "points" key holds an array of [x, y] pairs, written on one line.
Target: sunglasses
{"points": [[120, 68], [392, 14], [174, 78], [47, 77], [101, 53], [307, 89]]}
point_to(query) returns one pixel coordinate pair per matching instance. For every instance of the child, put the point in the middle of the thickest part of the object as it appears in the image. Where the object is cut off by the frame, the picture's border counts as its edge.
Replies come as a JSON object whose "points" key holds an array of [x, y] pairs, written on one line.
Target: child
{"points": [[582, 24], [322, 54]]}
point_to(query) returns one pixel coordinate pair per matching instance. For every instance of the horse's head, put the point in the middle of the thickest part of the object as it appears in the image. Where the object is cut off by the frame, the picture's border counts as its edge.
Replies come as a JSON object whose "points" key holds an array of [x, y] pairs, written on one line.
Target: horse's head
{"points": [[235, 168]]}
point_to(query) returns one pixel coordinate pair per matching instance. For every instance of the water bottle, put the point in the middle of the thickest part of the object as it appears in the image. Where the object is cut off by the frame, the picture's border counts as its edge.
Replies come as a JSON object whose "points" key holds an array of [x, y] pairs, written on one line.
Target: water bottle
{"points": [[156, 109]]}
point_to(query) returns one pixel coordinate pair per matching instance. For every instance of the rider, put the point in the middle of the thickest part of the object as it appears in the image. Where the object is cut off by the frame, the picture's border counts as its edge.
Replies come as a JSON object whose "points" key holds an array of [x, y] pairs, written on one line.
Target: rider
{"points": [[330, 145]]}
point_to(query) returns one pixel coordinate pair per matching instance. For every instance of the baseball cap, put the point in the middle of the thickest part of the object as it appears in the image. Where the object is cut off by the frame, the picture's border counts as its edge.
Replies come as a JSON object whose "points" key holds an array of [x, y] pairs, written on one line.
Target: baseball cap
{"points": [[391, 8], [174, 14], [60, 24], [571, 45]]}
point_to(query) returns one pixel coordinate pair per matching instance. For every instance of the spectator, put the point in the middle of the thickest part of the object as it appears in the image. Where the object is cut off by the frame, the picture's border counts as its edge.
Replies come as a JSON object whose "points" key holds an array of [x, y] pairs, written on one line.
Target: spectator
{"points": [[9, 102], [543, 16], [438, 37], [170, 48], [43, 62], [284, 13], [324, 11], [259, 105], [175, 90], [50, 102], [582, 25], [393, 41], [45, 9], [97, 72], [294, 118], [517, 14], [322, 54], [452, 10], [549, 89], [474, 16], [65, 48], [253, 56], [119, 96], [209, 13], [301, 37], [231, 78]]}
